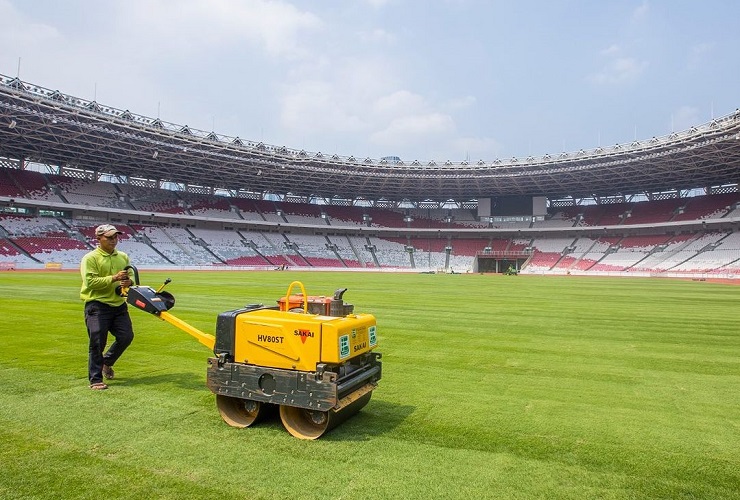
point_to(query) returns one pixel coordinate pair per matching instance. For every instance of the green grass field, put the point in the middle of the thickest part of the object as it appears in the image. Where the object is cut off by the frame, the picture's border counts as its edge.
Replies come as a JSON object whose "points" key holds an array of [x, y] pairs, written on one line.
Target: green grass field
{"points": [[493, 387]]}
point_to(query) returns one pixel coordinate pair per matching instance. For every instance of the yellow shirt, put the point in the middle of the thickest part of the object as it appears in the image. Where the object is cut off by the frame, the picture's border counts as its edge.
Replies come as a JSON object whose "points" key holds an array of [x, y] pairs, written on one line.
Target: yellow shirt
{"points": [[97, 269]]}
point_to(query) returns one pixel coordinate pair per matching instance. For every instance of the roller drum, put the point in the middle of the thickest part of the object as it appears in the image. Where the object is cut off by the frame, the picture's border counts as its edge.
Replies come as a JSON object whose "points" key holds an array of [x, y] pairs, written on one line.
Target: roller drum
{"points": [[239, 412], [312, 424]]}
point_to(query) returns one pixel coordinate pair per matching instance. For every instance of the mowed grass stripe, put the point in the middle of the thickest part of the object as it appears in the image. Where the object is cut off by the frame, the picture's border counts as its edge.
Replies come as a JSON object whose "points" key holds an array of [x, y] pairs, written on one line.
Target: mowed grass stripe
{"points": [[493, 387]]}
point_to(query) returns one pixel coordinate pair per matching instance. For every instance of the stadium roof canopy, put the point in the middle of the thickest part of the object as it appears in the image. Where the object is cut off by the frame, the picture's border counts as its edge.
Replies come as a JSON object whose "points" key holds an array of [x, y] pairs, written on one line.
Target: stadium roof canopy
{"points": [[48, 127]]}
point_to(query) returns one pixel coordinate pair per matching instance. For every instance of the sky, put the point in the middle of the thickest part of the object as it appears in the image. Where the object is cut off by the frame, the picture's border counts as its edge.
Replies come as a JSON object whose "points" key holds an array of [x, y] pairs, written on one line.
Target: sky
{"points": [[457, 80]]}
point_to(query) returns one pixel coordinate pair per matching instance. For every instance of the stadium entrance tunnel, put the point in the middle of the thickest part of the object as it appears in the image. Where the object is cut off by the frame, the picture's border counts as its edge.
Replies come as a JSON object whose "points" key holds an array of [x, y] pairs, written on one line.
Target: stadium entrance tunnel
{"points": [[497, 264]]}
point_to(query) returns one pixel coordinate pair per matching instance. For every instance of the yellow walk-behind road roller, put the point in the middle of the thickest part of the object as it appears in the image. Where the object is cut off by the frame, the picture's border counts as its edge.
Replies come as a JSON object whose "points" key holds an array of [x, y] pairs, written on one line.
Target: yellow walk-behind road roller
{"points": [[310, 355]]}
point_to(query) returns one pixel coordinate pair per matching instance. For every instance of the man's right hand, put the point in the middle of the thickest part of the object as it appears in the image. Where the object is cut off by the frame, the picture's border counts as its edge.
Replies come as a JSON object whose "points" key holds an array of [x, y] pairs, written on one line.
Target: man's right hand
{"points": [[120, 275]]}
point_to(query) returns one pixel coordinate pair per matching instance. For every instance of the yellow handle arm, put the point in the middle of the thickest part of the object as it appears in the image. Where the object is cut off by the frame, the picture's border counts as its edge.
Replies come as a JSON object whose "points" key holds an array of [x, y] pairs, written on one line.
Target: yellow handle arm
{"points": [[206, 339]]}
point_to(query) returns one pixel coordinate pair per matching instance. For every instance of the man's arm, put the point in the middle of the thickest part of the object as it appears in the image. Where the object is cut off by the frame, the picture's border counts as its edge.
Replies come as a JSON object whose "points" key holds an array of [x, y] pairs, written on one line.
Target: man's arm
{"points": [[92, 278]]}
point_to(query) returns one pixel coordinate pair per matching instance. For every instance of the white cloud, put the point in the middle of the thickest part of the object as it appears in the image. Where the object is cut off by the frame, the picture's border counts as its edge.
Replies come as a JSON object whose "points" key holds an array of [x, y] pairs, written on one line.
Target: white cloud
{"points": [[340, 95], [403, 118], [314, 107], [21, 38], [620, 66], [136, 41], [618, 69], [276, 26], [17, 31], [400, 102], [346, 96], [415, 129]]}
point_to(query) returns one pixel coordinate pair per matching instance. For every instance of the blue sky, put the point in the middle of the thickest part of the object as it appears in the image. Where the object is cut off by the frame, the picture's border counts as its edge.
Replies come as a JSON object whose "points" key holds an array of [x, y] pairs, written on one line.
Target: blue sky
{"points": [[422, 80]]}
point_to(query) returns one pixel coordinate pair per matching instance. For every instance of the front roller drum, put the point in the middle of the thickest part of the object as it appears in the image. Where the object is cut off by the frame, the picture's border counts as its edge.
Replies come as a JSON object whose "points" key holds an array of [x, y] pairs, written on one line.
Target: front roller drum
{"points": [[312, 424], [239, 412]]}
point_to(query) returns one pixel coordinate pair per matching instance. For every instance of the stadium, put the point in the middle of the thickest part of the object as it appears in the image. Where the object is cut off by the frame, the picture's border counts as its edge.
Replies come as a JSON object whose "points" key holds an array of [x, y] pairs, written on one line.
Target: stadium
{"points": [[565, 381], [665, 206]]}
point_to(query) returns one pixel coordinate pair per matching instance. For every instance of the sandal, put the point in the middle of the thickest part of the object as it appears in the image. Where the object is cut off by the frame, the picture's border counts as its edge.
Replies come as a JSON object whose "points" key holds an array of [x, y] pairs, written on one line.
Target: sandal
{"points": [[98, 386]]}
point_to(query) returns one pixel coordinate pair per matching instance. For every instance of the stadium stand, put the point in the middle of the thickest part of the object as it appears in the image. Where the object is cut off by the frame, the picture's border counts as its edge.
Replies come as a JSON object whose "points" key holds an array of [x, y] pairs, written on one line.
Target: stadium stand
{"points": [[708, 207], [646, 207], [32, 241]]}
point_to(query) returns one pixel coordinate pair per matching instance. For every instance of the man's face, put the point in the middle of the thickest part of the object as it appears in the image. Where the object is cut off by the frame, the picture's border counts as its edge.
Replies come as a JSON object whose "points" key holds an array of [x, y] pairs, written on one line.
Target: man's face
{"points": [[108, 243]]}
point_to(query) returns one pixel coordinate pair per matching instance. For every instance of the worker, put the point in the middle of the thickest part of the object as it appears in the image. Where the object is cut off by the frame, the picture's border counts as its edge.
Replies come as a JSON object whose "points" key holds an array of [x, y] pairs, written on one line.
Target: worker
{"points": [[103, 270]]}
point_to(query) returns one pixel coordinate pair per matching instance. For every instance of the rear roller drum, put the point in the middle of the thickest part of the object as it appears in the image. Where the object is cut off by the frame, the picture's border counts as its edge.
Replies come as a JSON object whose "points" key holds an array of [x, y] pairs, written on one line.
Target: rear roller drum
{"points": [[312, 424], [239, 412]]}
